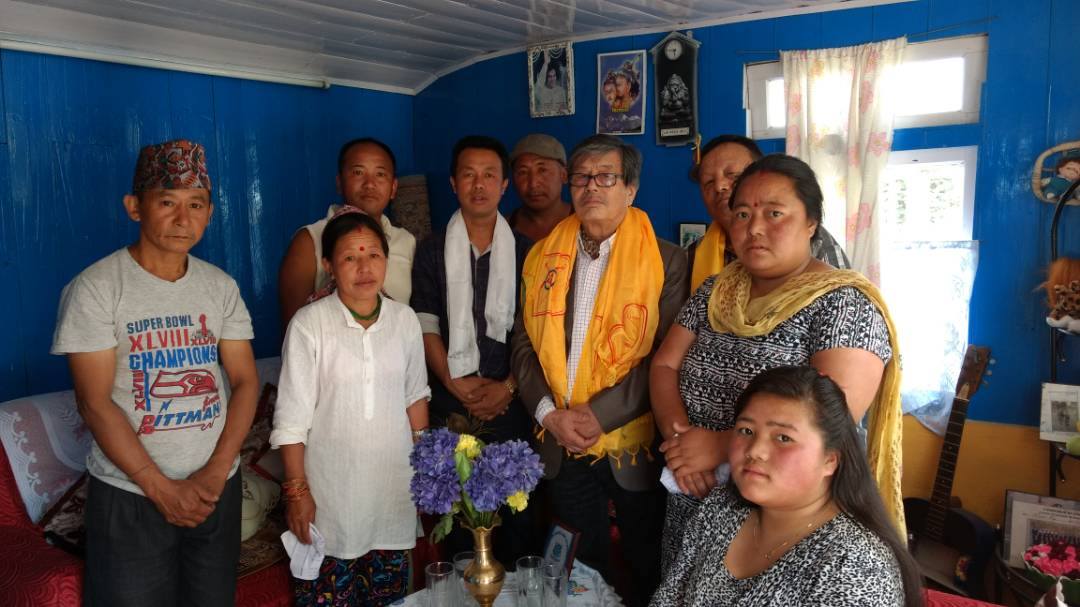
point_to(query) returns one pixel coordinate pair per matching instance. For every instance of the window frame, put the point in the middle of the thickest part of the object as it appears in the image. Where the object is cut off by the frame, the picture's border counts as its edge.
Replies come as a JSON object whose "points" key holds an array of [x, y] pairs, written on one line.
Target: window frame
{"points": [[973, 49], [968, 154]]}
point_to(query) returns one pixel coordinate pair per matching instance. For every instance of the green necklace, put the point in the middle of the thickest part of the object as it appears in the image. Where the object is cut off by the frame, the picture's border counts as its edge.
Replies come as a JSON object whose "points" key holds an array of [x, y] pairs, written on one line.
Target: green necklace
{"points": [[374, 314]]}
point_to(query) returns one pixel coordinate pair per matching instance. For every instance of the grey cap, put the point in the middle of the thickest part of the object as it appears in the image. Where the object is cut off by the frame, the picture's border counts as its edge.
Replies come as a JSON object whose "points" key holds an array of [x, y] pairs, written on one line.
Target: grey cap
{"points": [[541, 145]]}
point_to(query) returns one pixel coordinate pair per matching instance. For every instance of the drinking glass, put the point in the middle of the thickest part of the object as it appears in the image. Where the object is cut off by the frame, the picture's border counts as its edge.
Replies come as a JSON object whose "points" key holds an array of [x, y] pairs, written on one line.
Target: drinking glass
{"points": [[443, 589], [555, 585], [530, 585], [461, 561]]}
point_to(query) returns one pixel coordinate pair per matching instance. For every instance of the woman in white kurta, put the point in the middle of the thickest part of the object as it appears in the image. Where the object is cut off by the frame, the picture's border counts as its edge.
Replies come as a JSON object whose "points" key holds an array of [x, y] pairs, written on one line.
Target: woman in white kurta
{"points": [[352, 399]]}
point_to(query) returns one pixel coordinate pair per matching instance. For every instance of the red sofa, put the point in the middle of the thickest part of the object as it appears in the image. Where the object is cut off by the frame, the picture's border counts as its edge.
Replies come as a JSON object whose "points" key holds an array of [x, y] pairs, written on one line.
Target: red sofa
{"points": [[34, 573]]}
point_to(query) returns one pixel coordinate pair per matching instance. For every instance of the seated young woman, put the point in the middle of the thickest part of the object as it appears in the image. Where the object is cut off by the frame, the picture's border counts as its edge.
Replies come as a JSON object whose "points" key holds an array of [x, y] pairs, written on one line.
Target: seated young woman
{"points": [[800, 522]]}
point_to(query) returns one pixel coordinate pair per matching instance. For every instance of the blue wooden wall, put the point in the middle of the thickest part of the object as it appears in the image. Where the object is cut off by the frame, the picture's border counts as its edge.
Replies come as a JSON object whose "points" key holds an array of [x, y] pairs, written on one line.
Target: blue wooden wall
{"points": [[1031, 101], [70, 133]]}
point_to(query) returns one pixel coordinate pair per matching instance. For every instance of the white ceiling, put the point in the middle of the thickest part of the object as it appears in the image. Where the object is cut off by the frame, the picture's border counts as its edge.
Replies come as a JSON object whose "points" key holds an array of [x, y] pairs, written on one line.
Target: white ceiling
{"points": [[395, 45]]}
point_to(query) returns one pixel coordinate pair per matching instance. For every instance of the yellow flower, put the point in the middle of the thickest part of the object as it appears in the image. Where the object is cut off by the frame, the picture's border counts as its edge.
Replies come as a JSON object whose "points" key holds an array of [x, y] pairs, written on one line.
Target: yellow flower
{"points": [[468, 445], [518, 501]]}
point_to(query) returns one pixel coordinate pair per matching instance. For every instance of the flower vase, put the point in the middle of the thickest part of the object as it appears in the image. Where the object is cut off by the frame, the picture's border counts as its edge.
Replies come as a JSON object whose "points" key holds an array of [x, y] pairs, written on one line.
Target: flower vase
{"points": [[484, 576]]}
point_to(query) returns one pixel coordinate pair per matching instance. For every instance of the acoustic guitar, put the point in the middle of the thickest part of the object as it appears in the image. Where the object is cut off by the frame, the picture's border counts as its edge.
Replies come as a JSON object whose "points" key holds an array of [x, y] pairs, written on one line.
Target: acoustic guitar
{"points": [[952, 545]]}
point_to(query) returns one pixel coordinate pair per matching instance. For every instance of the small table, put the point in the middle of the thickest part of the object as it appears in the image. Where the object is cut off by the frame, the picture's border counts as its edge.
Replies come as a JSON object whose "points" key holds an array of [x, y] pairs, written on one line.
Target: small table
{"points": [[583, 591]]}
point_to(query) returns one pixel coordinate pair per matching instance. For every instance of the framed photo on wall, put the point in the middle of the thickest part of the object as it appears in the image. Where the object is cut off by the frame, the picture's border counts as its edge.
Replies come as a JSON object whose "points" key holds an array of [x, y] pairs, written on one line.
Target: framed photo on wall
{"points": [[689, 233], [1060, 412], [551, 80], [620, 89], [561, 545]]}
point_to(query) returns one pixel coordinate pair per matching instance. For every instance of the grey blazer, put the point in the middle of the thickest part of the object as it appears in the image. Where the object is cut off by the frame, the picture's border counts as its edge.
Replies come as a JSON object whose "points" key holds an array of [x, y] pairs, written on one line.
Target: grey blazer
{"points": [[618, 404]]}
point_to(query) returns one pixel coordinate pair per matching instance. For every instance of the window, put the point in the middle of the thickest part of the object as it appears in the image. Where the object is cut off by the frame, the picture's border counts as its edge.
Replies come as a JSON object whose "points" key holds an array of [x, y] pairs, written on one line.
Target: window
{"points": [[928, 265], [939, 83]]}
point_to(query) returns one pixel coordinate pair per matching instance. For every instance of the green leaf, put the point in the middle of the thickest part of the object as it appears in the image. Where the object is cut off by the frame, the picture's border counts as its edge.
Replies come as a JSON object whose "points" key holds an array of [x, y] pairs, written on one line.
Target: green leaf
{"points": [[442, 528], [463, 467]]}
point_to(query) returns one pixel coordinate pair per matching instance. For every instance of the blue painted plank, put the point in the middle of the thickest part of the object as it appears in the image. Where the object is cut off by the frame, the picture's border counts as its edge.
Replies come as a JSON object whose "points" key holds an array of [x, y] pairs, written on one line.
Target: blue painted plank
{"points": [[12, 363], [3, 113], [799, 32], [848, 27], [895, 20]]}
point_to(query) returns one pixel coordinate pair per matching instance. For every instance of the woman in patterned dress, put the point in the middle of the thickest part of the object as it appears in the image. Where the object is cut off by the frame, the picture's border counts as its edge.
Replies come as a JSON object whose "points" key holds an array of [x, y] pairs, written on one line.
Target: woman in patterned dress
{"points": [[776, 305], [800, 522]]}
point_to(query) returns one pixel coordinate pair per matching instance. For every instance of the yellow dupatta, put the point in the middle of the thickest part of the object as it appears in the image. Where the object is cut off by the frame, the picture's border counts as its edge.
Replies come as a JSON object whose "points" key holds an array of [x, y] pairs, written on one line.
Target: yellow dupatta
{"points": [[731, 311], [709, 256], [625, 316]]}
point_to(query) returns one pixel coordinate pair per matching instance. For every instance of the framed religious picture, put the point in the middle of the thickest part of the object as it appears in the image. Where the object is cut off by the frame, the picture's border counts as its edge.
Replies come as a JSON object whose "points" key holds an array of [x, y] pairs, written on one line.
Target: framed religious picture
{"points": [[675, 60], [561, 545], [551, 80], [689, 233], [620, 86]]}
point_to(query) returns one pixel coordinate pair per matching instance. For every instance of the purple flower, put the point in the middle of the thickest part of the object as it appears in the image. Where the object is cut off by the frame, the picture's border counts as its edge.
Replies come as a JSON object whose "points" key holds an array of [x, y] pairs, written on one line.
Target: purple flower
{"points": [[502, 470], [434, 485]]}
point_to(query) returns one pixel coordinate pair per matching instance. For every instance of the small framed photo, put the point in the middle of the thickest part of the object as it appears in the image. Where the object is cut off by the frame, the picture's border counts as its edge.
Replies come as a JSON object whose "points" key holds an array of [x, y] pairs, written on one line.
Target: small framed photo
{"points": [[620, 86], [689, 233], [551, 80], [561, 545], [1036, 519], [1060, 412]]}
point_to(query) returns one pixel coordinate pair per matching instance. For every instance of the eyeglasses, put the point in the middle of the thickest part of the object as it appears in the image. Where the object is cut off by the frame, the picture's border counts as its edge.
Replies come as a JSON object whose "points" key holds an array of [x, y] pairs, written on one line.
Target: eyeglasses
{"points": [[604, 180]]}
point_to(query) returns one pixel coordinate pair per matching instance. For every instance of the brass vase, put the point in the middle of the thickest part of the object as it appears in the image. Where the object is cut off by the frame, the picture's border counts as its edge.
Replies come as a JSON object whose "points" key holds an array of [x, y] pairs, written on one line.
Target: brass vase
{"points": [[484, 576]]}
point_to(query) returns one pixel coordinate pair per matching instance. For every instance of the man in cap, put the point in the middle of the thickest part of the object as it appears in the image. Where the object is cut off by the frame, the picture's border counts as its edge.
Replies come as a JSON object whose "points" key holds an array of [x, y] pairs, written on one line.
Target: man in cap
{"points": [[147, 331], [538, 164], [723, 160], [365, 180]]}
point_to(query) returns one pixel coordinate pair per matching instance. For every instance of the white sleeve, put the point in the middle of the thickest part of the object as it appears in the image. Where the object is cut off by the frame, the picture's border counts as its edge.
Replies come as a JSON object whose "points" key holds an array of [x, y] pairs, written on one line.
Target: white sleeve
{"points": [[416, 380], [298, 387]]}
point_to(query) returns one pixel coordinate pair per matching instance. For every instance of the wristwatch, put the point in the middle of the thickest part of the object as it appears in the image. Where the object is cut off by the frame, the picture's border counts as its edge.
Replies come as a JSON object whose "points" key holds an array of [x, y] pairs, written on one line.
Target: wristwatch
{"points": [[511, 387], [418, 434]]}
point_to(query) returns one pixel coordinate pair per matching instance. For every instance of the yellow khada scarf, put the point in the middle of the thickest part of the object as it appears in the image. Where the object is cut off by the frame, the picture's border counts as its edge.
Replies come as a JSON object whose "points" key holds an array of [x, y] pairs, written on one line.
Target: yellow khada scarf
{"points": [[709, 256], [625, 317], [731, 311]]}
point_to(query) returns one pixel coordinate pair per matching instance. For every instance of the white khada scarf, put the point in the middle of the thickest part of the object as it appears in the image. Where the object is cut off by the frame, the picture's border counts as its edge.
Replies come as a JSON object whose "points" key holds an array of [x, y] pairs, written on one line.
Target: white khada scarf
{"points": [[463, 356]]}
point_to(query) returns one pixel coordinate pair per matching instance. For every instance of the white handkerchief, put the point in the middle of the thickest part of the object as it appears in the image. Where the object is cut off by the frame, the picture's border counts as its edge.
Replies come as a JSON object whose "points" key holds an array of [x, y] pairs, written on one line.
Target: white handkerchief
{"points": [[305, 559], [667, 477]]}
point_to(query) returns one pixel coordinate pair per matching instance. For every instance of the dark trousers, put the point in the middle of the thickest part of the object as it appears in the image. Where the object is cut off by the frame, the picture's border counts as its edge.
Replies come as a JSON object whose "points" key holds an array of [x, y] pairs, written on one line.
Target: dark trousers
{"points": [[134, 557], [579, 498]]}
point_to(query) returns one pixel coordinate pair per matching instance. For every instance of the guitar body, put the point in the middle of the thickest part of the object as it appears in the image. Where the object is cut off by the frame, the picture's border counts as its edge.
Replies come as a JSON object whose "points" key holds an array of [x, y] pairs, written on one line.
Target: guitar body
{"points": [[952, 545], [959, 560]]}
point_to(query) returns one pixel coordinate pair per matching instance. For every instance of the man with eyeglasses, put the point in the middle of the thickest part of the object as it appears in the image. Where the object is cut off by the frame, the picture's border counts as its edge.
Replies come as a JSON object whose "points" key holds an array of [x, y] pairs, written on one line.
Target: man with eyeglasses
{"points": [[598, 296], [723, 159]]}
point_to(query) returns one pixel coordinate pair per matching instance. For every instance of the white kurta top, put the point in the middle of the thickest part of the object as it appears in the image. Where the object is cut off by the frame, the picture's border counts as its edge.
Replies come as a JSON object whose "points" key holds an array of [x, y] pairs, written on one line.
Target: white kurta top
{"points": [[343, 393]]}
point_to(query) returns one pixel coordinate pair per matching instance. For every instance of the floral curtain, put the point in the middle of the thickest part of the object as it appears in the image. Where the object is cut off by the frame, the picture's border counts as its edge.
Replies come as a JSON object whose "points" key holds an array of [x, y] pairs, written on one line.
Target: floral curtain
{"points": [[928, 287], [839, 121]]}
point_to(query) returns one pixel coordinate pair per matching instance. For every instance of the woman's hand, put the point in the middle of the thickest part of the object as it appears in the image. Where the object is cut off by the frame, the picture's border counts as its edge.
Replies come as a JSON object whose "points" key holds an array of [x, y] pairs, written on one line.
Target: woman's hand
{"points": [[697, 484], [692, 449], [300, 514]]}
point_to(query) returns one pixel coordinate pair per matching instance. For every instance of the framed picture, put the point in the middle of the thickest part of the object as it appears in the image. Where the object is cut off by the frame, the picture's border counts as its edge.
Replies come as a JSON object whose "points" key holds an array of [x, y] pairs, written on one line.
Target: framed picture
{"points": [[1060, 412], [1036, 519], [620, 90], [675, 70], [561, 545], [551, 80], [689, 233]]}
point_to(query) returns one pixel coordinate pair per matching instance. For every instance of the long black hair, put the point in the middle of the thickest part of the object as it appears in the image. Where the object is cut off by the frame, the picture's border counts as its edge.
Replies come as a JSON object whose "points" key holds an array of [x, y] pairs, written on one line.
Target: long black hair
{"points": [[852, 489]]}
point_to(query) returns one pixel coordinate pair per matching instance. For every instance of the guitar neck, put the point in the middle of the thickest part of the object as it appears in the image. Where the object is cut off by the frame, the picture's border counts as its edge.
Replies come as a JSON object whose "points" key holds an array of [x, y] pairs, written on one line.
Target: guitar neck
{"points": [[950, 450]]}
